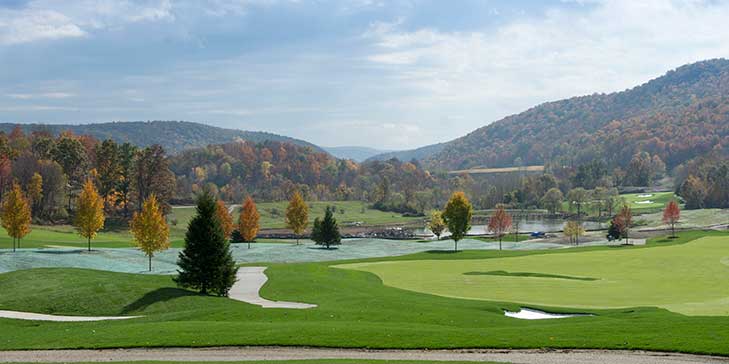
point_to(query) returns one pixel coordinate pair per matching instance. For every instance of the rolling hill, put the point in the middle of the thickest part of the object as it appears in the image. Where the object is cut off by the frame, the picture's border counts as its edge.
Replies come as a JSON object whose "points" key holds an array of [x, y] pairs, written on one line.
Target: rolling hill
{"points": [[174, 136], [678, 116]]}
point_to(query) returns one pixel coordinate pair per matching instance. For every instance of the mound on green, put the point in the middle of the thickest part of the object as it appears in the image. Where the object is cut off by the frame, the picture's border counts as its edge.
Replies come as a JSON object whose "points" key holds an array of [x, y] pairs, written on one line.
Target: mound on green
{"points": [[690, 278]]}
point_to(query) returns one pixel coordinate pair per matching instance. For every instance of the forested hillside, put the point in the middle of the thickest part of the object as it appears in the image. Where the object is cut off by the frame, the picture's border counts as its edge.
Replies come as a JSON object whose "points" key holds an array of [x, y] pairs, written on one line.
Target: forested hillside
{"points": [[676, 117], [173, 136]]}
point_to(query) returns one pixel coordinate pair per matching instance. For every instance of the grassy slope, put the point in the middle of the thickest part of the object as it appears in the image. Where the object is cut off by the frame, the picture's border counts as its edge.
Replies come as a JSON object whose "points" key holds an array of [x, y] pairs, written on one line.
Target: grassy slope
{"points": [[687, 278], [355, 310]]}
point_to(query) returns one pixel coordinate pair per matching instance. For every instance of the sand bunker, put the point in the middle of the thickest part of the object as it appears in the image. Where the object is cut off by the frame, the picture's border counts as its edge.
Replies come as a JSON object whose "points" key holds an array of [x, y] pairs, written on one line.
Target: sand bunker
{"points": [[58, 318], [530, 314]]}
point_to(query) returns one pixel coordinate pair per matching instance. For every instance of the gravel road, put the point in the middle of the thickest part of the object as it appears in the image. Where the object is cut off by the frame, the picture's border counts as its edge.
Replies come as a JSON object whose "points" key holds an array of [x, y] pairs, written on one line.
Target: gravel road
{"points": [[293, 353]]}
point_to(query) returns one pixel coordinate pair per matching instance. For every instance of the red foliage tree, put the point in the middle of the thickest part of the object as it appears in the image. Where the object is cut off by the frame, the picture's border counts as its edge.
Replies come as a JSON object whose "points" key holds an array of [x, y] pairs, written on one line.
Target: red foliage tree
{"points": [[671, 215], [500, 223]]}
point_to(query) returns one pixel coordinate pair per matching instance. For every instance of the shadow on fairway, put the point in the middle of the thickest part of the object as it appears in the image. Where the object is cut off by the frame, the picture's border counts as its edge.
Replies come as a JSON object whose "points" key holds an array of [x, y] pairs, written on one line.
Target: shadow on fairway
{"points": [[158, 295], [60, 252]]}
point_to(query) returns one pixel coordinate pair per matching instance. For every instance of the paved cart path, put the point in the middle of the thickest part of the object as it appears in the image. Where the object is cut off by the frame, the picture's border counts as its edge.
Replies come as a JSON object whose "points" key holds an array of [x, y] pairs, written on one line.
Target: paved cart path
{"points": [[293, 353], [18, 315], [249, 283]]}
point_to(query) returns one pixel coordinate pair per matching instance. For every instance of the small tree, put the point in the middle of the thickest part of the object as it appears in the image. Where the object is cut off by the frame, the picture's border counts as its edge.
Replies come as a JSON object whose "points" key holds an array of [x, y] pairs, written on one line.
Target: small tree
{"points": [[436, 224], [671, 215], [297, 215], [500, 223], [573, 230], [457, 215], [326, 231], [16, 215], [226, 221], [149, 228], [89, 212], [248, 222], [206, 263], [623, 221]]}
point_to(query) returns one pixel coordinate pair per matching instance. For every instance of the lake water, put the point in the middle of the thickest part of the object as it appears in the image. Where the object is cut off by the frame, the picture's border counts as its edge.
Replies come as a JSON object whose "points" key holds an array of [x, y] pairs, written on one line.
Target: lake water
{"points": [[528, 226]]}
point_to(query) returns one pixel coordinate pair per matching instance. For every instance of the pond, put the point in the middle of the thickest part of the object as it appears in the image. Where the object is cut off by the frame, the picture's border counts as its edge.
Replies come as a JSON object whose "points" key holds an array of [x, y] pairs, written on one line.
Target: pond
{"points": [[528, 225]]}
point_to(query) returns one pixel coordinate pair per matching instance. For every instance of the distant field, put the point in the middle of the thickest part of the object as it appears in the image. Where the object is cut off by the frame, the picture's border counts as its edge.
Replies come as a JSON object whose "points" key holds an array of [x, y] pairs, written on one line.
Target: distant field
{"points": [[645, 202], [499, 170], [273, 214]]}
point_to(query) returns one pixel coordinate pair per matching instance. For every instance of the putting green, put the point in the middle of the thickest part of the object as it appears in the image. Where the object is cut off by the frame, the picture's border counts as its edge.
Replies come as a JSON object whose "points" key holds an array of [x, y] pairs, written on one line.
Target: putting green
{"points": [[691, 278]]}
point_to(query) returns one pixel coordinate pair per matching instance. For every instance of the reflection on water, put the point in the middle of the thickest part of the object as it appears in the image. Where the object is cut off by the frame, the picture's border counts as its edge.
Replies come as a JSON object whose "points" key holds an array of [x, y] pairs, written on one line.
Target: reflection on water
{"points": [[528, 226]]}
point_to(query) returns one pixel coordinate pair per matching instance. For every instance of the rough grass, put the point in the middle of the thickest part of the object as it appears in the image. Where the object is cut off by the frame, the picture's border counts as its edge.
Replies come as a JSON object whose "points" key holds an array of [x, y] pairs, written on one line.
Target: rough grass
{"points": [[355, 310]]}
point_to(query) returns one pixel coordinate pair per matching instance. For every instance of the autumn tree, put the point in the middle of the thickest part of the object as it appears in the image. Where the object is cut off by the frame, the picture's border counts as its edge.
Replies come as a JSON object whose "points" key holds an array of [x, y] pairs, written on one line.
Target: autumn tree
{"points": [[436, 224], [127, 153], [671, 215], [248, 222], [573, 230], [149, 228], [35, 191], [152, 175], [552, 200], [623, 221], [326, 231], [693, 191], [109, 169], [500, 223], [89, 212], [16, 216], [206, 263], [578, 197], [297, 215], [226, 221], [457, 215]]}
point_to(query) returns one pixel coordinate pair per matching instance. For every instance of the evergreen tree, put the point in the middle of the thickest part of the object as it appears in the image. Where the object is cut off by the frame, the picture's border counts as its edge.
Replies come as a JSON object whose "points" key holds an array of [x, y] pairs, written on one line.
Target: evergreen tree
{"points": [[326, 231], [206, 263]]}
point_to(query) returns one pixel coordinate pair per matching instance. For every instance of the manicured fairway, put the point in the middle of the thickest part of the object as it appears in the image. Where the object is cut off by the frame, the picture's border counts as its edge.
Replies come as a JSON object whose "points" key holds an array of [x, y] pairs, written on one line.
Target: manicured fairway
{"points": [[692, 278], [641, 201]]}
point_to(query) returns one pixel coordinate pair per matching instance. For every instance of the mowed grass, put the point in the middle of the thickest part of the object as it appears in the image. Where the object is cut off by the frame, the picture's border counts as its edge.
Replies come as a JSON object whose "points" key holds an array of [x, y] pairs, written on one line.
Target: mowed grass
{"points": [[42, 236], [355, 310], [658, 201], [273, 214], [690, 278], [310, 361]]}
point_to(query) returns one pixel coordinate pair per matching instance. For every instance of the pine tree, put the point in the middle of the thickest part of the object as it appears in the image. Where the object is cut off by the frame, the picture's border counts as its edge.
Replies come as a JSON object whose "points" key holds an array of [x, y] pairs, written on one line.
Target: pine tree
{"points": [[297, 215], [457, 215], [226, 221], [16, 215], [248, 221], [89, 212], [206, 263], [150, 230], [326, 231]]}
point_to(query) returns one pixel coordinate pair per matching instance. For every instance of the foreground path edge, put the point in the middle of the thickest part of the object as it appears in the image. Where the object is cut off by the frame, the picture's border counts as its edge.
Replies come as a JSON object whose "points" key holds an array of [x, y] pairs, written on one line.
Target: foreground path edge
{"points": [[248, 284], [58, 318], [303, 353]]}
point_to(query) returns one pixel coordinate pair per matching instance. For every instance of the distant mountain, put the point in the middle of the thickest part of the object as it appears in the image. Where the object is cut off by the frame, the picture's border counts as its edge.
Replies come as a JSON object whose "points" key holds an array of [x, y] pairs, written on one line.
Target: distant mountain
{"points": [[357, 154], [678, 116], [174, 136], [407, 155]]}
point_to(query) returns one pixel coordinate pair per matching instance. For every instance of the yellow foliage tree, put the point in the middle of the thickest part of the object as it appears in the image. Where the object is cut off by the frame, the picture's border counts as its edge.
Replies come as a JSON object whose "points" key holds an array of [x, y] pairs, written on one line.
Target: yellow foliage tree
{"points": [[89, 212], [226, 221], [248, 222], [16, 215], [35, 190], [573, 230], [297, 215], [149, 228]]}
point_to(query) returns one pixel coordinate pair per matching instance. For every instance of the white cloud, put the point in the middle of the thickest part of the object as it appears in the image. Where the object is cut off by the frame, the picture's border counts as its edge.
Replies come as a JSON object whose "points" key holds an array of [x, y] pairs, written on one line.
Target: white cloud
{"points": [[44, 95], [27, 26]]}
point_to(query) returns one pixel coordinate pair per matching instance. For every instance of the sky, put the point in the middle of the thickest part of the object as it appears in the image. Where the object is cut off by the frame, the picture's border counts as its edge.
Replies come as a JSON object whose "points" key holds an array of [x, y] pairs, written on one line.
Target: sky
{"points": [[384, 74]]}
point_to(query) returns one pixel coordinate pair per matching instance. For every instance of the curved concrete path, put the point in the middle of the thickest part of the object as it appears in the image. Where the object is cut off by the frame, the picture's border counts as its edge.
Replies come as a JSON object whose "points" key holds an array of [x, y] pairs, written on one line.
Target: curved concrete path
{"points": [[249, 282], [293, 353], [59, 318]]}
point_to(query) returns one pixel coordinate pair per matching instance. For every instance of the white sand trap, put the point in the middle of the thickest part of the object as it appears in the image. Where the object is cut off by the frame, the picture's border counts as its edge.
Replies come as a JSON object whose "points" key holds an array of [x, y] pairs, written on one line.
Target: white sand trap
{"points": [[250, 280], [43, 317], [529, 314], [643, 202], [645, 195]]}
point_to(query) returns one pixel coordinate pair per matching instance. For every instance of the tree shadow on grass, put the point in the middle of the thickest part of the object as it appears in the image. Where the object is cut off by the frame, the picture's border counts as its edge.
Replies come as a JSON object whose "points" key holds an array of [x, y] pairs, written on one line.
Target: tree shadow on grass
{"points": [[156, 296], [60, 252], [443, 251]]}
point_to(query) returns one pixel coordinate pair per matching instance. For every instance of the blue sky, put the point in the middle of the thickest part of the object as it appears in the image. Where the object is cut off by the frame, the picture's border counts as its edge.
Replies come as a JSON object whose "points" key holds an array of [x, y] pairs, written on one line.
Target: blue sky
{"points": [[386, 74]]}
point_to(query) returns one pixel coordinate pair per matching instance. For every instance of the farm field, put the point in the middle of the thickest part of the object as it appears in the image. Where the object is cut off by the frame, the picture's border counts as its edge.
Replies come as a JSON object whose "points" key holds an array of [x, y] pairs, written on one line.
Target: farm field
{"points": [[355, 309], [688, 279]]}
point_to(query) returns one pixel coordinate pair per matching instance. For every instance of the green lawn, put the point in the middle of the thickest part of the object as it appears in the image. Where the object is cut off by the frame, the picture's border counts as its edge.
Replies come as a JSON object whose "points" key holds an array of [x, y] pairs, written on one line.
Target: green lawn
{"points": [[690, 279], [314, 361], [658, 201], [272, 214], [355, 310], [64, 235]]}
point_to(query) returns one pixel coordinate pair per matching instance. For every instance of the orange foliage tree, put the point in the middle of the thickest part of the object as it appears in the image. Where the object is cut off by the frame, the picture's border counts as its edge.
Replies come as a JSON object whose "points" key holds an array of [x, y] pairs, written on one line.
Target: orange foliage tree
{"points": [[248, 222], [500, 223], [671, 215], [226, 221]]}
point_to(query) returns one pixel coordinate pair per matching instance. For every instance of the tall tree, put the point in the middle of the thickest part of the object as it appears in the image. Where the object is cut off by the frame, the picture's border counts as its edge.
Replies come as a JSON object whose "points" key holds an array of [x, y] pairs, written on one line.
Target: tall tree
{"points": [[573, 230], [248, 221], [326, 231], [552, 200], [16, 215], [127, 155], [436, 224], [226, 221], [35, 192], [206, 263], [297, 215], [500, 223], [150, 230], [71, 155], [108, 168], [623, 221], [152, 175], [671, 215], [89, 212], [457, 215], [578, 197]]}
